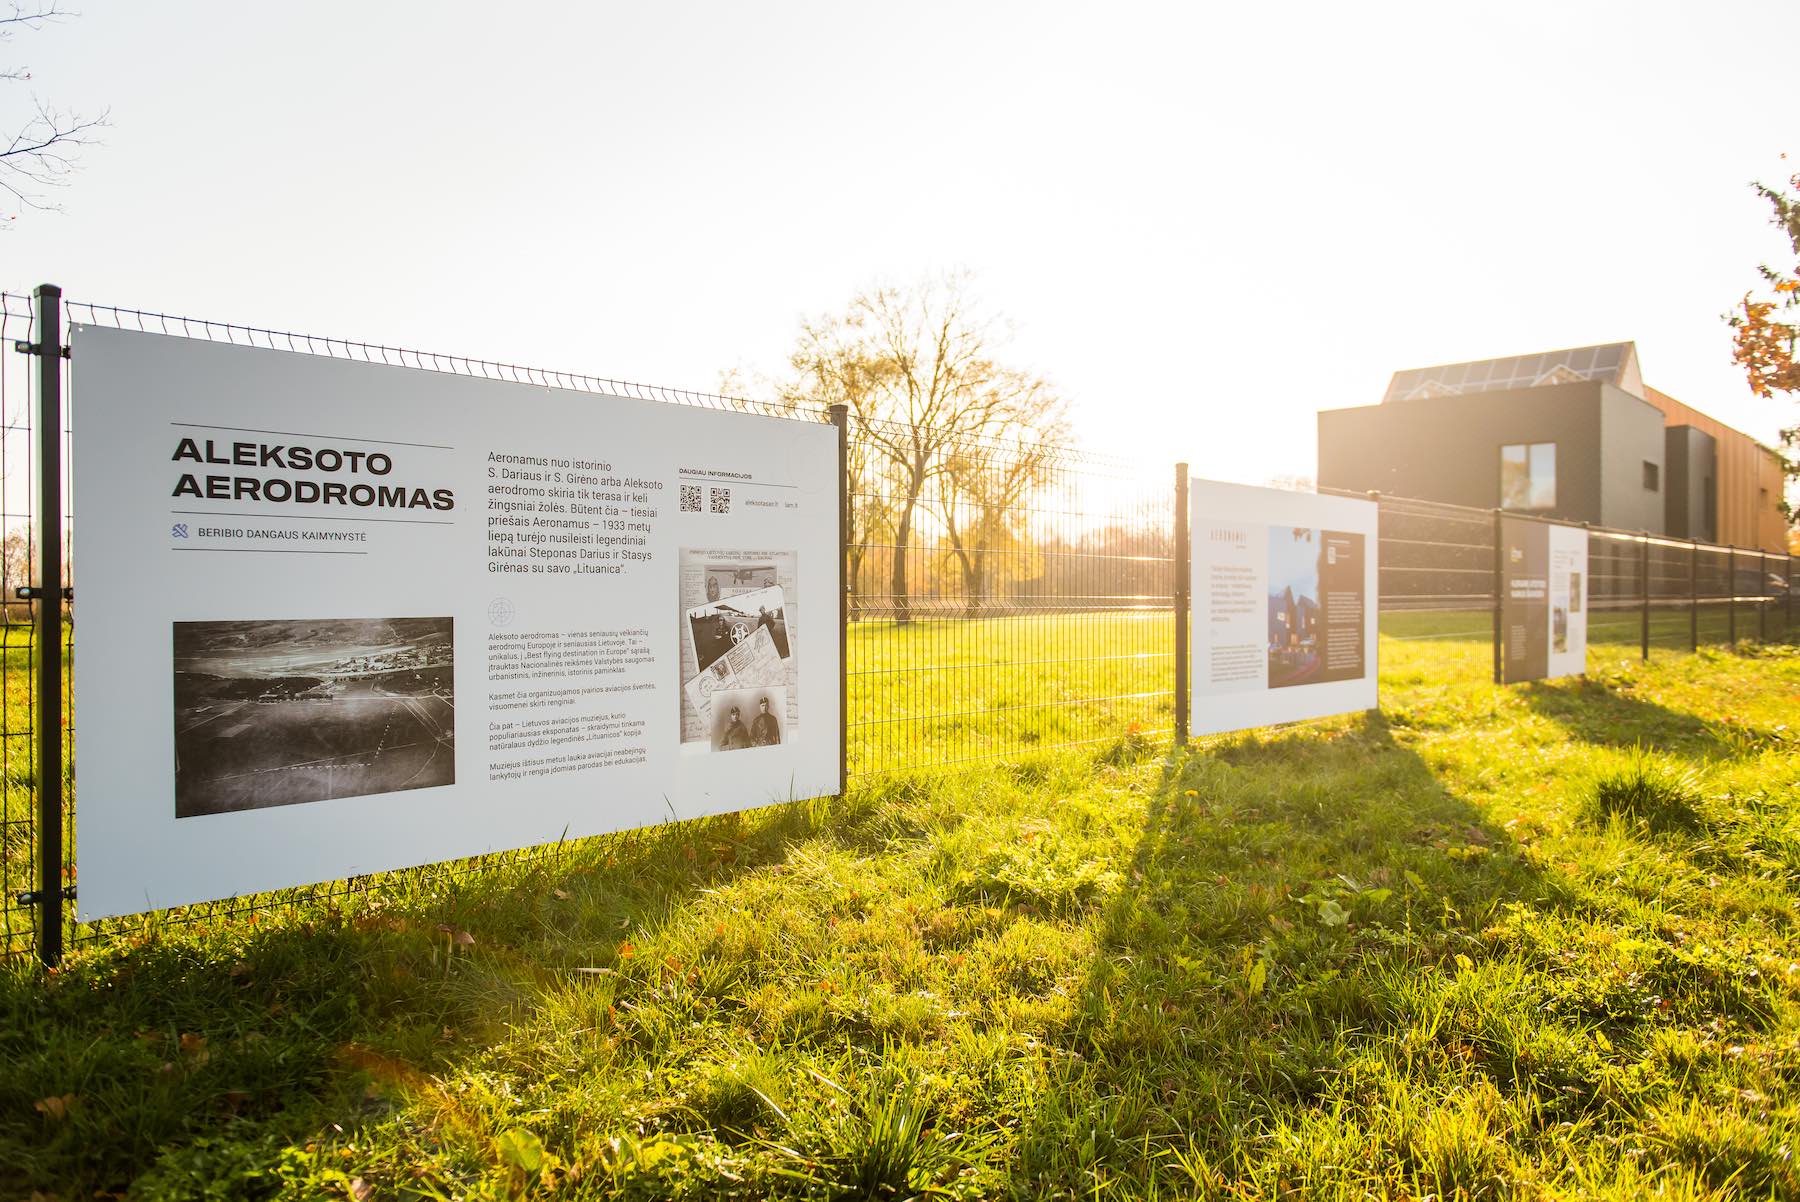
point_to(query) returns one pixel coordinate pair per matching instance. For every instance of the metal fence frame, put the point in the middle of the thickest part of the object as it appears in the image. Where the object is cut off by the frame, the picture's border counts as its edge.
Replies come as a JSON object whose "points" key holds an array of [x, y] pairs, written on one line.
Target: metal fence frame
{"points": [[1078, 585]]}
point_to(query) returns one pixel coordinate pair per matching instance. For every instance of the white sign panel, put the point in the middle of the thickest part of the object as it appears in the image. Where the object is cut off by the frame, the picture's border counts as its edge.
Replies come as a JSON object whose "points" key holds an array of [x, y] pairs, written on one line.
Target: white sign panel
{"points": [[1568, 600], [340, 617], [1284, 594], [1544, 608]]}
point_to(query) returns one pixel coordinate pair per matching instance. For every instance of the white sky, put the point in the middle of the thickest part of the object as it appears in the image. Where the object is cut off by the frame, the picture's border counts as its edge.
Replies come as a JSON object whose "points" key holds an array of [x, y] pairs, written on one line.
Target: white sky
{"points": [[1204, 224]]}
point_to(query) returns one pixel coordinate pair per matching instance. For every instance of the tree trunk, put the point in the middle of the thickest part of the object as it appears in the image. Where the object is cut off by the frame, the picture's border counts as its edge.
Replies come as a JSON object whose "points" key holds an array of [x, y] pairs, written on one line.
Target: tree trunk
{"points": [[974, 583], [902, 535], [971, 581]]}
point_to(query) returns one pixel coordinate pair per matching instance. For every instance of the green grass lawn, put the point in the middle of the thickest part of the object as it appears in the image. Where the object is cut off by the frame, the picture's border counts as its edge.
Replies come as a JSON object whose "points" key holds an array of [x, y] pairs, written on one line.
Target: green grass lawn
{"points": [[1528, 942]]}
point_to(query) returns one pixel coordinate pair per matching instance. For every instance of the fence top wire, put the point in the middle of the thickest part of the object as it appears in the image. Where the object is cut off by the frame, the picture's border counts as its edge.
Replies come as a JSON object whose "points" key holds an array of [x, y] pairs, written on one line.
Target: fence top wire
{"points": [[125, 318]]}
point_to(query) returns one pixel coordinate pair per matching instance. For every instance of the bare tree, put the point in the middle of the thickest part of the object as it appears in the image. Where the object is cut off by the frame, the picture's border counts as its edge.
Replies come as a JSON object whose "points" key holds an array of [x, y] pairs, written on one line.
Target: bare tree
{"points": [[985, 486], [42, 152], [933, 387], [832, 367]]}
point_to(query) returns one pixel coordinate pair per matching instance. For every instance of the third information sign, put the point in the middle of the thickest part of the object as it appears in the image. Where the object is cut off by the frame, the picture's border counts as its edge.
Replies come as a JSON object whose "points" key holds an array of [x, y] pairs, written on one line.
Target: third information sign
{"points": [[1543, 610]]}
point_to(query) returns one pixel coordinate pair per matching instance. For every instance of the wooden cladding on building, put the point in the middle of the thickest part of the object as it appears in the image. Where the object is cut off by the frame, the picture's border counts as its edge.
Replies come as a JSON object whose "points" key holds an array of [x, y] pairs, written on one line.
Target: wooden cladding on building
{"points": [[1750, 482]]}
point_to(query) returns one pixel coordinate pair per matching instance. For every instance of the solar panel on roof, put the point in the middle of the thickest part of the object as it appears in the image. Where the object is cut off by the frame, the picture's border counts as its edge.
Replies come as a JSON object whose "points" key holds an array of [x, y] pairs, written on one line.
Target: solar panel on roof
{"points": [[1519, 371]]}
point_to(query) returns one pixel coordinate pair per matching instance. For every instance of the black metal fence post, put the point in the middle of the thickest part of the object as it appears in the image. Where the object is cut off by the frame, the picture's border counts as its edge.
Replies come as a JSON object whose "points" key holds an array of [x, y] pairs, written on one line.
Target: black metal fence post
{"points": [[46, 593], [1500, 591], [1731, 595], [1182, 604], [1762, 596], [1694, 595], [1644, 587], [840, 417]]}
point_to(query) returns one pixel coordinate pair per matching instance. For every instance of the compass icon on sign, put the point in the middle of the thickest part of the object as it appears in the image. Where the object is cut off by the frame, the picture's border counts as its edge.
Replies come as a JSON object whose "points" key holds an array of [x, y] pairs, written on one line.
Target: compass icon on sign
{"points": [[500, 611]]}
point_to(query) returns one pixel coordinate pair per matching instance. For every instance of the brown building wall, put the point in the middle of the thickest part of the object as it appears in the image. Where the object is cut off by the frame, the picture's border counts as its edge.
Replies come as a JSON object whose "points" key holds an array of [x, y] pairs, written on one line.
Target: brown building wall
{"points": [[1750, 481]]}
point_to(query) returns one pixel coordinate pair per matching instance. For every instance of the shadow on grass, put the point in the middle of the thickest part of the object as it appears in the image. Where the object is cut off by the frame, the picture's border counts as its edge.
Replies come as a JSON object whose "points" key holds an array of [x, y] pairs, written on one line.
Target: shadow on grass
{"points": [[1593, 712], [1285, 890], [259, 1033]]}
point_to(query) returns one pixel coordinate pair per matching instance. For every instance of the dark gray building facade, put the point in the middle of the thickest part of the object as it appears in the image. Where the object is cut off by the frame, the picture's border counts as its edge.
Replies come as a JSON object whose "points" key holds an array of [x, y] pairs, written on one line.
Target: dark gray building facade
{"points": [[1566, 434], [1691, 458]]}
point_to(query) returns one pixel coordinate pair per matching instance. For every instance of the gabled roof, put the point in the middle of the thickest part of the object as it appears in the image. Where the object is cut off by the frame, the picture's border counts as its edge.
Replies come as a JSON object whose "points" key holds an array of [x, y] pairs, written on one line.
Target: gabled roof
{"points": [[1613, 363]]}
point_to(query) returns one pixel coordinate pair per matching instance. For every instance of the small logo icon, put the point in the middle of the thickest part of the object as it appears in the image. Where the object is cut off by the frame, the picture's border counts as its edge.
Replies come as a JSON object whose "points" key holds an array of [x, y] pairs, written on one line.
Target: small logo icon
{"points": [[179, 530], [500, 611]]}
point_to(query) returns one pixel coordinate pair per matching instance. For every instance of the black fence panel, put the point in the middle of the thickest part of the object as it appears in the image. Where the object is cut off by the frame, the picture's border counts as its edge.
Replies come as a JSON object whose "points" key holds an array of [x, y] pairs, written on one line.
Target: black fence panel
{"points": [[1015, 596]]}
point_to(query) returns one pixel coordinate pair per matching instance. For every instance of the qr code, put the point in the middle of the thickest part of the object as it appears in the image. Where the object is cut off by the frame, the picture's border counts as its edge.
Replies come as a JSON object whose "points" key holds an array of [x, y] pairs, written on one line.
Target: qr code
{"points": [[721, 500], [690, 498]]}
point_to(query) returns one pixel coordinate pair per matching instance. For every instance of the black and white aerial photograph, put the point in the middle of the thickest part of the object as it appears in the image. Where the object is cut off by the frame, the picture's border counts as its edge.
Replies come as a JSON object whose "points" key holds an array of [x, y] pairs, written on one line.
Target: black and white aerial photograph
{"points": [[284, 712]]}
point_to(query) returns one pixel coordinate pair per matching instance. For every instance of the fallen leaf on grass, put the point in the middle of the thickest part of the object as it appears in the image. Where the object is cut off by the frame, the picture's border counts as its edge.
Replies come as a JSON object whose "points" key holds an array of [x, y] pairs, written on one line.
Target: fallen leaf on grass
{"points": [[55, 1108], [521, 1149]]}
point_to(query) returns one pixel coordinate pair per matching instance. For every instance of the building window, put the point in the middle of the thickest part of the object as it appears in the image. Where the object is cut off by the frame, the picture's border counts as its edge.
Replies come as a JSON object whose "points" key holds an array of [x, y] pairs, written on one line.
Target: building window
{"points": [[1528, 475], [1652, 476]]}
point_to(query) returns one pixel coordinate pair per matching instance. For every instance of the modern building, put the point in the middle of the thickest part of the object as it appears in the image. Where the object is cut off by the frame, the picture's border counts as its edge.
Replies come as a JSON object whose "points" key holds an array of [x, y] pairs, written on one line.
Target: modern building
{"points": [[1572, 434]]}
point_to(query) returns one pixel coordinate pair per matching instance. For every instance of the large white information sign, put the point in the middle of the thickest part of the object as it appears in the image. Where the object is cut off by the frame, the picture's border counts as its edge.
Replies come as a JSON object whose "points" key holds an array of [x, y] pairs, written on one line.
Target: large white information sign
{"points": [[1285, 590], [339, 617]]}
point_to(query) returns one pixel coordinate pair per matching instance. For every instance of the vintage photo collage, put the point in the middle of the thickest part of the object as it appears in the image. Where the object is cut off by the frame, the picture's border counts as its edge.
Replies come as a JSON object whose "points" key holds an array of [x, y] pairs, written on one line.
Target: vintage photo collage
{"points": [[739, 664]]}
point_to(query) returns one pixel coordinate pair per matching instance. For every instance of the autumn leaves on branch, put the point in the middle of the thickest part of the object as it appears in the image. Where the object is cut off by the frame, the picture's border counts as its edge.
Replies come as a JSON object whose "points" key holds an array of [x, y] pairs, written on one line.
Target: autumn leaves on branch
{"points": [[1762, 343]]}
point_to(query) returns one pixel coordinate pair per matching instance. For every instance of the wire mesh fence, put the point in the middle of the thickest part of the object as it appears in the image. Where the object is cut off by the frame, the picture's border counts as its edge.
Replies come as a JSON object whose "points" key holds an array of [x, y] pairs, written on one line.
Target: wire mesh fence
{"points": [[18, 718], [1006, 597], [1020, 598]]}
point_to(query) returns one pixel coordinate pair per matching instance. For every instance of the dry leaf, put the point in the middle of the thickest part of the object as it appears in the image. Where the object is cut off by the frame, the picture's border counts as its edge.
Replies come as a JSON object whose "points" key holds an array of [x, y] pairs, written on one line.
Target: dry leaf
{"points": [[360, 1189], [56, 1108]]}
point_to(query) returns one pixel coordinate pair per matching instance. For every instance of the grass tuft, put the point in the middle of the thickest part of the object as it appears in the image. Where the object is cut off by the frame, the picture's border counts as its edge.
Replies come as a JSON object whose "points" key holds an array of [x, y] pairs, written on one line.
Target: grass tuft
{"points": [[1647, 790]]}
